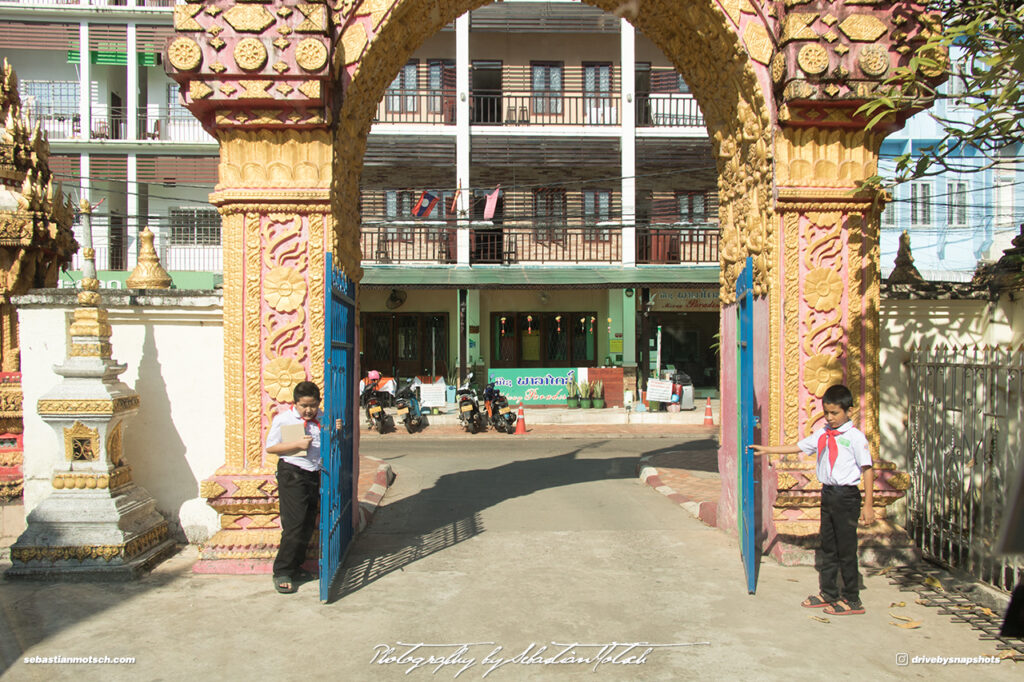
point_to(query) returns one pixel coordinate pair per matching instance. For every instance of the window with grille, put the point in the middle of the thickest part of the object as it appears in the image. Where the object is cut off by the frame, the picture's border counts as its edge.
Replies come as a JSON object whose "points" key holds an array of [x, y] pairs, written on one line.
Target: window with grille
{"points": [[1002, 195], [692, 207], [889, 213], [920, 204], [174, 104], [597, 208], [549, 212], [597, 79], [49, 97], [401, 95], [957, 203], [546, 83], [195, 227]]}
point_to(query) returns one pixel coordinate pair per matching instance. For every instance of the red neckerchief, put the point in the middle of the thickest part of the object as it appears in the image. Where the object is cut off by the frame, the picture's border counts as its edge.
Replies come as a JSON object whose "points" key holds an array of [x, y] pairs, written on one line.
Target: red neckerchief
{"points": [[307, 422], [828, 440]]}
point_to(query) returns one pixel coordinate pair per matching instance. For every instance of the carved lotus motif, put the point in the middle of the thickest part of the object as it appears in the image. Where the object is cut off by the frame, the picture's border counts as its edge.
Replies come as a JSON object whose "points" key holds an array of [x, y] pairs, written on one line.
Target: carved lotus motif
{"points": [[280, 376], [284, 289], [820, 372], [823, 289]]}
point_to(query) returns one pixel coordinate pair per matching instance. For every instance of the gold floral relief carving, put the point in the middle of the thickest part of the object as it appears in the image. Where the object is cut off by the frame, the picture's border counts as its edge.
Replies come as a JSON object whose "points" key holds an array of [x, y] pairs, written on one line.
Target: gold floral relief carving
{"points": [[873, 60], [250, 54], [311, 54], [211, 489], [249, 18], [114, 440], [233, 239], [353, 42], [268, 159], [317, 245], [253, 340], [255, 89], [284, 289], [185, 54], [184, 18], [797, 26], [792, 325], [280, 376], [862, 27], [81, 443], [758, 42], [199, 90], [813, 59], [315, 21]]}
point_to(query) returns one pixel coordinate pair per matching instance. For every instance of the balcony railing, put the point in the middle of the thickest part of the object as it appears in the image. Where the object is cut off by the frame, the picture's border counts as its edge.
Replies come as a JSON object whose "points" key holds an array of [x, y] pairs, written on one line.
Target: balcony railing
{"points": [[677, 243], [546, 244], [403, 242], [408, 242], [180, 247], [546, 109], [154, 123]]}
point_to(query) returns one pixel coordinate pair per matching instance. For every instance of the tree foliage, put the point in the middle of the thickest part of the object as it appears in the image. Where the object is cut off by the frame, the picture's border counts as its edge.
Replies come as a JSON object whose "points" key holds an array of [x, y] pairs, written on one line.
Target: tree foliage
{"points": [[979, 45]]}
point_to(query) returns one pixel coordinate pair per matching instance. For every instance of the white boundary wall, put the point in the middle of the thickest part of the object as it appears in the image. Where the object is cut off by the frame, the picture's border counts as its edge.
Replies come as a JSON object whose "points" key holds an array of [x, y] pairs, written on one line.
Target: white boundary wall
{"points": [[172, 344]]}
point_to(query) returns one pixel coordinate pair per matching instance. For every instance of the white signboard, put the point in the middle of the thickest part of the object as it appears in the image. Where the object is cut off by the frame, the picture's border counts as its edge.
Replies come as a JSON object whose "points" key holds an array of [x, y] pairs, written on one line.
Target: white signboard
{"points": [[432, 395], [659, 390], [704, 300]]}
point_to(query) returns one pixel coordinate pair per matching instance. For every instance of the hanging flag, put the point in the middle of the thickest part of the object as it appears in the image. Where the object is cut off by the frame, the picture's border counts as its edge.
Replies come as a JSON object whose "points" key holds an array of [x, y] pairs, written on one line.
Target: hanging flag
{"points": [[425, 206], [492, 203], [455, 203]]}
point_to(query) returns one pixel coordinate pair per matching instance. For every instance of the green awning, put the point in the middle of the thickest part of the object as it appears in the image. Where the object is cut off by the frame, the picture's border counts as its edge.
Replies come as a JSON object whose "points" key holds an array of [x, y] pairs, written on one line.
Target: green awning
{"points": [[540, 277]]}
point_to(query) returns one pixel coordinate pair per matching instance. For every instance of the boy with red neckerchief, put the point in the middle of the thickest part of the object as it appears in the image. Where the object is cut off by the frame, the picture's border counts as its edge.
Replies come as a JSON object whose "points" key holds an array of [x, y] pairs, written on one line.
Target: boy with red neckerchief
{"points": [[843, 457], [298, 483]]}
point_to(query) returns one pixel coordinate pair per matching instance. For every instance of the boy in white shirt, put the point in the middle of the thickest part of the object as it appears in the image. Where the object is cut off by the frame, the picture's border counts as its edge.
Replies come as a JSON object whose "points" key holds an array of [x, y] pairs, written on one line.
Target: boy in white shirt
{"points": [[843, 456], [298, 483]]}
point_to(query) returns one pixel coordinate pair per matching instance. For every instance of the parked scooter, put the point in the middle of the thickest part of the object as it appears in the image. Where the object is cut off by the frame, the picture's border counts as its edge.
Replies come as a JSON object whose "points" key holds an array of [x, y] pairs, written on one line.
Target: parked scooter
{"points": [[469, 407], [500, 415], [373, 401], [407, 406]]}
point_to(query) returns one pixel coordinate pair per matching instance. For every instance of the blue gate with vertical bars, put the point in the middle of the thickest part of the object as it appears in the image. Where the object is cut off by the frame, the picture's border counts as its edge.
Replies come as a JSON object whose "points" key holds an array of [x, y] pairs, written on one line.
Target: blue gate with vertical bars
{"points": [[746, 422], [337, 447]]}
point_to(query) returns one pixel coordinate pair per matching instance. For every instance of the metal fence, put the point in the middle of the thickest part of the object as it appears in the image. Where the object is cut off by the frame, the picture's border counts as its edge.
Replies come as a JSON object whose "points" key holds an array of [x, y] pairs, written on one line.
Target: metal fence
{"points": [[964, 445]]}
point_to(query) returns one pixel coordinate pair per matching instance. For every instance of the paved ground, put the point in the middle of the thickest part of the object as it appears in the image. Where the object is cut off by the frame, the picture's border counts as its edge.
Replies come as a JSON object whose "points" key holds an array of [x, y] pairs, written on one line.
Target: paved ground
{"points": [[513, 544]]}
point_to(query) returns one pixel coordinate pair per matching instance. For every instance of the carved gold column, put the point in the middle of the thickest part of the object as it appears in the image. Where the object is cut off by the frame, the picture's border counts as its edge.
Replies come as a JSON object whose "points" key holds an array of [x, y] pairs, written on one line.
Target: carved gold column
{"points": [[274, 198], [826, 317]]}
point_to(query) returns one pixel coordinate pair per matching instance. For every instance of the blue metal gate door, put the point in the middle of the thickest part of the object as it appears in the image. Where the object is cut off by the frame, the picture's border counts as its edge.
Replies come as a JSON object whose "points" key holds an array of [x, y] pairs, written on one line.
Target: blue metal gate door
{"points": [[337, 446], [746, 421]]}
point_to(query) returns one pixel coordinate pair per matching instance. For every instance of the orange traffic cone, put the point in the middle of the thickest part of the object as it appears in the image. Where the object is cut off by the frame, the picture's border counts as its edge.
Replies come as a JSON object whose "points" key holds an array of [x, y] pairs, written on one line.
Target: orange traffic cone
{"points": [[520, 421], [708, 418]]}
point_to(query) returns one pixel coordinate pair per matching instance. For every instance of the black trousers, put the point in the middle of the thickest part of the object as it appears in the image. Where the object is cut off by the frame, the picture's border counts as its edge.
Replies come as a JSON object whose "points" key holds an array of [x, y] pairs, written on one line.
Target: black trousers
{"points": [[840, 511], [298, 492]]}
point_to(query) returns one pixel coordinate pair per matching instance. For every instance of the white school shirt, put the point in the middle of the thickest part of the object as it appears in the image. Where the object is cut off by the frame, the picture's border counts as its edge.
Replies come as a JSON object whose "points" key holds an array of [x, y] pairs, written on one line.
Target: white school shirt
{"points": [[310, 461], [853, 454]]}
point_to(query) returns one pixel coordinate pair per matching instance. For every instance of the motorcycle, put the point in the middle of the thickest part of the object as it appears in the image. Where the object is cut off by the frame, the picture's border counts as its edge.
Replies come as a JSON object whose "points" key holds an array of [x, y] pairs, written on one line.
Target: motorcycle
{"points": [[469, 407], [500, 415], [407, 406], [373, 401]]}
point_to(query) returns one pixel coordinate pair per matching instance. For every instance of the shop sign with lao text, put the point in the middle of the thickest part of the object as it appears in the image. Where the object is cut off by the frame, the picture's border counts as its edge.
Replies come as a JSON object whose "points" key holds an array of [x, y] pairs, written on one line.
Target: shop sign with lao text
{"points": [[534, 386]]}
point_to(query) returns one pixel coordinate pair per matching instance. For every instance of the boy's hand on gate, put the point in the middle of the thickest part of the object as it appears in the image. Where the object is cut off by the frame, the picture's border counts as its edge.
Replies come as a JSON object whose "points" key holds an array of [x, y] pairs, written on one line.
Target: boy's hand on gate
{"points": [[867, 516], [338, 425]]}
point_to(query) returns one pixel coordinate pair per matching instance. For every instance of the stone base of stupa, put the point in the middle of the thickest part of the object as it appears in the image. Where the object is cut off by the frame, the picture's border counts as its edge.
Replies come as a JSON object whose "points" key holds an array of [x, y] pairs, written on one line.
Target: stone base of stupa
{"points": [[91, 535]]}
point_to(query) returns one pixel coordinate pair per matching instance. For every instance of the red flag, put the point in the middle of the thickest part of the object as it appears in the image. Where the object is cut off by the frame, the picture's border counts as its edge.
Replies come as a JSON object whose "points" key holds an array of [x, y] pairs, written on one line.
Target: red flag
{"points": [[492, 203], [455, 202]]}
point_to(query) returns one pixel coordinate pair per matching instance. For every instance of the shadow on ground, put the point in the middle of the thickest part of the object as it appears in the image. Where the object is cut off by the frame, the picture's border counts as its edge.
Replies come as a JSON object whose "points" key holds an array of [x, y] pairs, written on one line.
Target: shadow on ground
{"points": [[448, 513]]}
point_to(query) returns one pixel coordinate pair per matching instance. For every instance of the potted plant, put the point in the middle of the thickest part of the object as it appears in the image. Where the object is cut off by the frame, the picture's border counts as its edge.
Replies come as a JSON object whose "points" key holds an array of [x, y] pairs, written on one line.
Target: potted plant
{"points": [[584, 389], [572, 399], [597, 393]]}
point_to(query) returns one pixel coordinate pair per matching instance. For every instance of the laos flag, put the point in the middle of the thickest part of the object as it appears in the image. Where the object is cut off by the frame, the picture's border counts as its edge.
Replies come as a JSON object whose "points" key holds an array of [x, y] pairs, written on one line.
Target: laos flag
{"points": [[425, 206]]}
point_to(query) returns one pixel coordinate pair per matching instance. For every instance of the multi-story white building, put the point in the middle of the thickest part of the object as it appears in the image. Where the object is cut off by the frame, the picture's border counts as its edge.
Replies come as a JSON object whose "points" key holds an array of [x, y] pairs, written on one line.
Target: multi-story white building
{"points": [[955, 219], [604, 232]]}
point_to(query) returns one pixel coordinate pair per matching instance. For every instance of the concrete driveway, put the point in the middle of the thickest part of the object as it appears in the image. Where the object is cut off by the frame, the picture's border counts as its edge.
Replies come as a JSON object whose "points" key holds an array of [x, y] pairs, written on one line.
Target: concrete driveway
{"points": [[527, 559]]}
